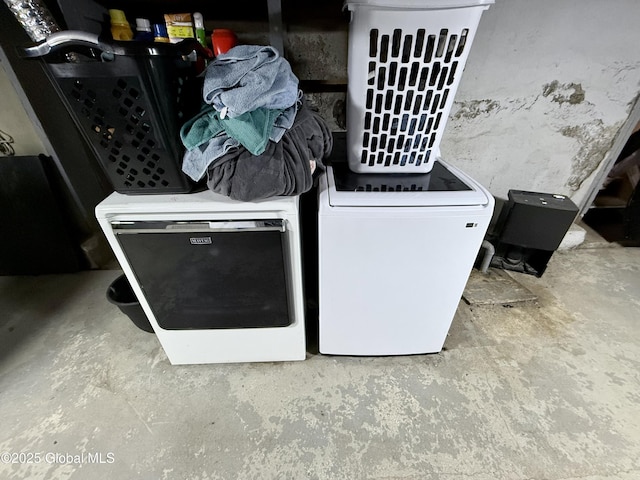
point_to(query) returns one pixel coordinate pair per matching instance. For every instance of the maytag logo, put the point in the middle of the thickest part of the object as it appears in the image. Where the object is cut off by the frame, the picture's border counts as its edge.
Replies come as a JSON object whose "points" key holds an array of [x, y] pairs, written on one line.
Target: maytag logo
{"points": [[200, 240]]}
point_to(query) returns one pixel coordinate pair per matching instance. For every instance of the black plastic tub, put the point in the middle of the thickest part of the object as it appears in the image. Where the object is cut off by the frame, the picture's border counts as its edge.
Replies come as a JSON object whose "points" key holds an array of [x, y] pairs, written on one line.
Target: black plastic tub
{"points": [[121, 295]]}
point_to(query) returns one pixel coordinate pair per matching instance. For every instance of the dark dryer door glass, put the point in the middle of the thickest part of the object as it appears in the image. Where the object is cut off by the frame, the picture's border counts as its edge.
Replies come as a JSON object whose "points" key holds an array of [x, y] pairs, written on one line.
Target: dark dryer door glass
{"points": [[205, 275]]}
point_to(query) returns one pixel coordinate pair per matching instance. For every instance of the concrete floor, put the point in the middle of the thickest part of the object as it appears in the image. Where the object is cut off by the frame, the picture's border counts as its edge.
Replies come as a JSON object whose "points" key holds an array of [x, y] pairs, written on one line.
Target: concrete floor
{"points": [[540, 390]]}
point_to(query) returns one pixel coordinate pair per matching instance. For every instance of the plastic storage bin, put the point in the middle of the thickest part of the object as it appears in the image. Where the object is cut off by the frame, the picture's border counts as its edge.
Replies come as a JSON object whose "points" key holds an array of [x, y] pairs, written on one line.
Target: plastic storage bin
{"points": [[405, 62], [121, 295], [129, 100]]}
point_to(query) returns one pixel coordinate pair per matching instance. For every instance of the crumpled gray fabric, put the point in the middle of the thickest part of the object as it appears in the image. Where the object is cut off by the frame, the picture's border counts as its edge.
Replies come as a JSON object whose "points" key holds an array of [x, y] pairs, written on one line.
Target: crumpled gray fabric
{"points": [[248, 77], [284, 167]]}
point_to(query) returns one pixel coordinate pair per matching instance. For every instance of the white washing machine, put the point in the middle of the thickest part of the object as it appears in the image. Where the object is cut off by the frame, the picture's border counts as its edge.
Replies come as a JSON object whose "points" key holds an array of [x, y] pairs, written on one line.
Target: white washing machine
{"points": [[395, 252], [219, 280]]}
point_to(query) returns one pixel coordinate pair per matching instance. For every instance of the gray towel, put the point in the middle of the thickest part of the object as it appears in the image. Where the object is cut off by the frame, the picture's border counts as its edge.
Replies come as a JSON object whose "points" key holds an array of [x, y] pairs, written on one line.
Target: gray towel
{"points": [[284, 167], [248, 77]]}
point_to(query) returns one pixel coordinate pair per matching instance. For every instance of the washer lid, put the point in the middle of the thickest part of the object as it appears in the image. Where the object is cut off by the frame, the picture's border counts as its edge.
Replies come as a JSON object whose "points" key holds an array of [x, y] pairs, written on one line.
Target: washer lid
{"points": [[442, 186]]}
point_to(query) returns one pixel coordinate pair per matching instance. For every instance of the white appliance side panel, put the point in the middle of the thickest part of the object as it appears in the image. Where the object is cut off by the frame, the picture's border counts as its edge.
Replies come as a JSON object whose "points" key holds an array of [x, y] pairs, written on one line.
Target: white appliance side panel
{"points": [[391, 278]]}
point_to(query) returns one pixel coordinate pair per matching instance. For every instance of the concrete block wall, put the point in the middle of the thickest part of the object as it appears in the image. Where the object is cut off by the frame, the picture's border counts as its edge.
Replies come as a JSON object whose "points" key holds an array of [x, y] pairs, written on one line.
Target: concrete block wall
{"points": [[547, 87]]}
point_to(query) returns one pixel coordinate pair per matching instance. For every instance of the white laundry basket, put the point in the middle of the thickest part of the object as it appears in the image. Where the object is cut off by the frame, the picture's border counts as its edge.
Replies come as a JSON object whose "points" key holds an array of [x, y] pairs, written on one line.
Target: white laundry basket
{"points": [[405, 62]]}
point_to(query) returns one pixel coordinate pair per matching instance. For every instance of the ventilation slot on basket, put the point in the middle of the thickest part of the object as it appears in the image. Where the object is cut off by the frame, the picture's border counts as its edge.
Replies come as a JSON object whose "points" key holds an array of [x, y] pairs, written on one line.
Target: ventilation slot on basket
{"points": [[382, 187], [407, 97]]}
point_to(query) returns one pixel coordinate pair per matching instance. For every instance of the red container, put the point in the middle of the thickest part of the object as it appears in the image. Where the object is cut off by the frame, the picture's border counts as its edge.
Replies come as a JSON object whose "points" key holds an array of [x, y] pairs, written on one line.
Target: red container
{"points": [[223, 40]]}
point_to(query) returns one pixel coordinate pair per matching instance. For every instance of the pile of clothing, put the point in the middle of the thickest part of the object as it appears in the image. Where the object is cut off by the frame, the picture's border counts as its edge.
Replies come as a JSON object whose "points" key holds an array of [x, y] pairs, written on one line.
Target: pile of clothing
{"points": [[255, 137]]}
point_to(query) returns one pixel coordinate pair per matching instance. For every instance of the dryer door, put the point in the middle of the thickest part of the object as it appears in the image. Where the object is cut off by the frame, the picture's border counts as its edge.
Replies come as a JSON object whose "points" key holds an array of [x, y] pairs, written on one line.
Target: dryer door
{"points": [[206, 275]]}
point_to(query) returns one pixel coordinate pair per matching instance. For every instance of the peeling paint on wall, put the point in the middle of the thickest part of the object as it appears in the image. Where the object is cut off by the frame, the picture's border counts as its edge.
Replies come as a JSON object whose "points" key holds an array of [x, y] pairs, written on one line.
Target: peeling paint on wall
{"points": [[595, 140], [571, 93], [473, 108], [566, 93]]}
